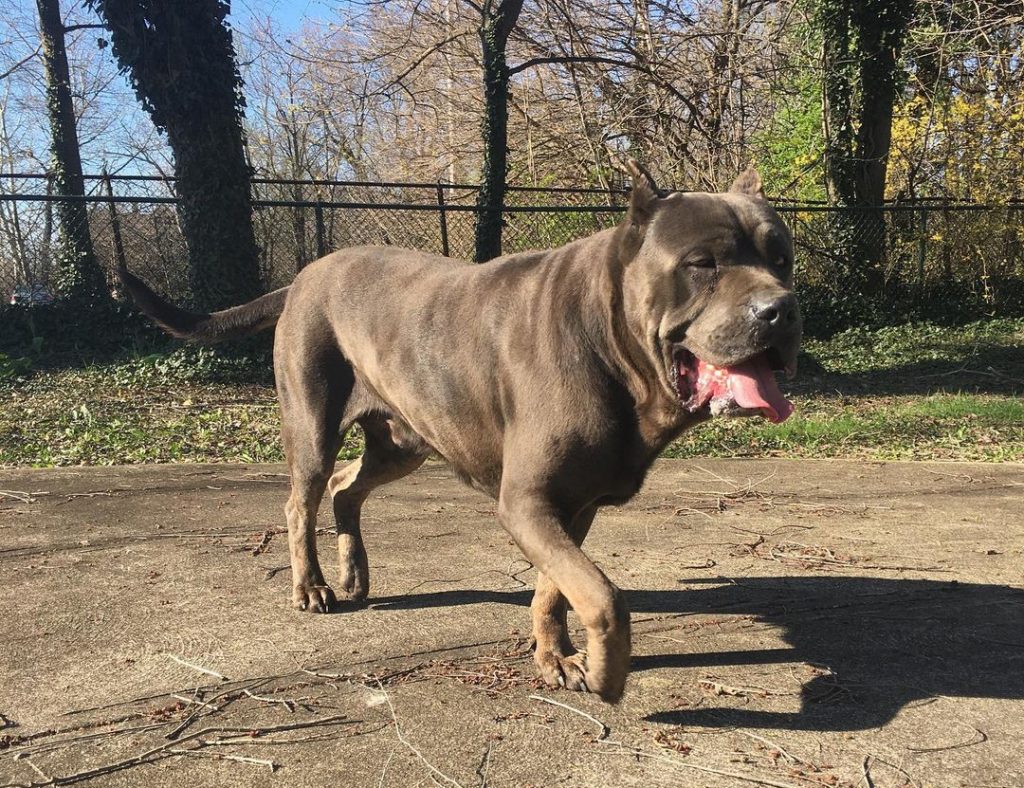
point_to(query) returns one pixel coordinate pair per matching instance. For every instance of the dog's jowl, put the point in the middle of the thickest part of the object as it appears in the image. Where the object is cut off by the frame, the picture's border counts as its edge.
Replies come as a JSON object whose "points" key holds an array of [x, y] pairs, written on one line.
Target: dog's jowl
{"points": [[549, 380]]}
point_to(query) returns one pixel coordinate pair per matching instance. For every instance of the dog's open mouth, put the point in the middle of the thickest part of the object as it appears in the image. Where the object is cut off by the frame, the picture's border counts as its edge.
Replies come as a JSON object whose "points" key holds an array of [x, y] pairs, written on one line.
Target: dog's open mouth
{"points": [[744, 389]]}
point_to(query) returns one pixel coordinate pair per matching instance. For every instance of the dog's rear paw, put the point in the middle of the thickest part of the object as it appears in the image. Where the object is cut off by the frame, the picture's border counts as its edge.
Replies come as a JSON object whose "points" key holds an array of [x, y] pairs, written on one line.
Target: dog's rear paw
{"points": [[355, 582], [559, 671], [314, 598]]}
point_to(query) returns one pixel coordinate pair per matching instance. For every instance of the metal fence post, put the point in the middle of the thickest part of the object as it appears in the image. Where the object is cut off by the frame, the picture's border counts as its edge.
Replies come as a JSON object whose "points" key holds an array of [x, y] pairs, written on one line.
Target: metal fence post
{"points": [[442, 214], [922, 248], [321, 240], [115, 224]]}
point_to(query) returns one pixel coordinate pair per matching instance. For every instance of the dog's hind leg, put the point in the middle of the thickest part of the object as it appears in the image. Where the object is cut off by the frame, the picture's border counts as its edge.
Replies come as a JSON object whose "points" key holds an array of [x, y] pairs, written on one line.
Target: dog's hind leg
{"points": [[312, 391], [384, 460], [559, 663]]}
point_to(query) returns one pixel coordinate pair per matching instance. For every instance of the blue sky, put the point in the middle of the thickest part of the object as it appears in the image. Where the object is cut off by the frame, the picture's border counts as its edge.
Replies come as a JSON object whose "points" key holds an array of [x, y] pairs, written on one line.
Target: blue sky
{"points": [[288, 13]]}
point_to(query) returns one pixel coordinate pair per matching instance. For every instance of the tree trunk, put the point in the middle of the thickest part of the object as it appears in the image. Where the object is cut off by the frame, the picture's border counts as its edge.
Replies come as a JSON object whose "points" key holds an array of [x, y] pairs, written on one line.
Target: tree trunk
{"points": [[882, 27], [80, 278], [495, 27], [181, 60], [862, 40], [837, 105]]}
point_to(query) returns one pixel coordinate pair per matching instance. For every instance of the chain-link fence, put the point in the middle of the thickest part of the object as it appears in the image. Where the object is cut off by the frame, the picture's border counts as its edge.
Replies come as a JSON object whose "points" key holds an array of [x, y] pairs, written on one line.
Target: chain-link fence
{"points": [[970, 255]]}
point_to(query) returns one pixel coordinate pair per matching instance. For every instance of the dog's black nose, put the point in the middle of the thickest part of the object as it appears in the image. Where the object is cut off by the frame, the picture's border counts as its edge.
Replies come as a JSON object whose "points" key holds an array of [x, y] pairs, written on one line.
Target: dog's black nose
{"points": [[777, 312]]}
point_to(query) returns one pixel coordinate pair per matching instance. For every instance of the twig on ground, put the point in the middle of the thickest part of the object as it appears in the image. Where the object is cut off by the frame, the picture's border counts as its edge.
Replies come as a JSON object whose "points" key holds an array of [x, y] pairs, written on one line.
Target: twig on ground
{"points": [[605, 730], [962, 477], [384, 771], [221, 756], [344, 676], [195, 701], [899, 769], [401, 737], [636, 752], [485, 762], [718, 688], [195, 714], [682, 511], [774, 745], [21, 756], [264, 741], [264, 542], [819, 557], [200, 668], [273, 570], [515, 575], [21, 496], [286, 702], [980, 738], [866, 770], [161, 749], [40, 747]]}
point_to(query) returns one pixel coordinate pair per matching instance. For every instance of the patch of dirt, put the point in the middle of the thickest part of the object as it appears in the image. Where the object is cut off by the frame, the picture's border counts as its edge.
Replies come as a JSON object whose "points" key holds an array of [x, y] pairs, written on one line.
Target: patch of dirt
{"points": [[795, 623]]}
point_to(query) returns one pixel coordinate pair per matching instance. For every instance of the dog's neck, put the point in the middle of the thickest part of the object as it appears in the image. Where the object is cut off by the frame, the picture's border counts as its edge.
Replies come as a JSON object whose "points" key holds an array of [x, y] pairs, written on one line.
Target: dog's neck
{"points": [[619, 339]]}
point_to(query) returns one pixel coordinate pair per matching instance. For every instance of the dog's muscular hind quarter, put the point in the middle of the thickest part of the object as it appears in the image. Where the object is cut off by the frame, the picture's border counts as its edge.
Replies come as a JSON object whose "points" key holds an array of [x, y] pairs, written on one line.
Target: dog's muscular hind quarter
{"points": [[550, 380]]}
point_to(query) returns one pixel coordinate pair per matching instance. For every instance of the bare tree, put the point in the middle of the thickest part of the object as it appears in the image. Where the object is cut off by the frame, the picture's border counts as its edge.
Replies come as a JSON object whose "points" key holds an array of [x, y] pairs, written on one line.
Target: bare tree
{"points": [[81, 279], [180, 58], [498, 19]]}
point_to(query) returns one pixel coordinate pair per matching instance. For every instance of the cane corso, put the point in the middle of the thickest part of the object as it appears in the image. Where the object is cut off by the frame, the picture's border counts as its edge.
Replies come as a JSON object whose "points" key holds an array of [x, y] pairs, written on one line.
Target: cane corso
{"points": [[549, 380]]}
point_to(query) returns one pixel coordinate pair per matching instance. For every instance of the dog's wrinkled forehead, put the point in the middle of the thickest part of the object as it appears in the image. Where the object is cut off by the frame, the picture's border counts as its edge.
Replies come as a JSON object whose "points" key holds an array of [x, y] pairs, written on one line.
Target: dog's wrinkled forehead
{"points": [[731, 228]]}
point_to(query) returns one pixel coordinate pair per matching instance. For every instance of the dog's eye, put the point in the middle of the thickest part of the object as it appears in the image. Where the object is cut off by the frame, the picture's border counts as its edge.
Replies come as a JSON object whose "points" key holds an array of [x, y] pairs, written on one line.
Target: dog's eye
{"points": [[703, 262], [781, 261]]}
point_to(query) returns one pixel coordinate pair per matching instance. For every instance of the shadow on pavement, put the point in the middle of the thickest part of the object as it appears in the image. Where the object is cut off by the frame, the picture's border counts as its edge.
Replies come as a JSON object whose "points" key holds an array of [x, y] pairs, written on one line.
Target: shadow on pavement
{"points": [[882, 643]]}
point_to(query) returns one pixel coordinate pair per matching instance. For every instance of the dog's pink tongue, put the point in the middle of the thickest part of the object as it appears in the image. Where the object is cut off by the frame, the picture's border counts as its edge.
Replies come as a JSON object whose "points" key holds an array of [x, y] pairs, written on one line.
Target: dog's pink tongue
{"points": [[752, 384]]}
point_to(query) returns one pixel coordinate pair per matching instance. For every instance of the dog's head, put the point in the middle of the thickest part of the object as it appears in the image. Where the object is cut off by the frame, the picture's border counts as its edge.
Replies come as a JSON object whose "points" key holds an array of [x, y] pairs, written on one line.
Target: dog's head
{"points": [[708, 291]]}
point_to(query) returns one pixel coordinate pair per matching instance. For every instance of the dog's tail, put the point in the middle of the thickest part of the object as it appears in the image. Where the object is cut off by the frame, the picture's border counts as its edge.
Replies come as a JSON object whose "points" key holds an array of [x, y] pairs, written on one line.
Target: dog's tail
{"points": [[233, 323]]}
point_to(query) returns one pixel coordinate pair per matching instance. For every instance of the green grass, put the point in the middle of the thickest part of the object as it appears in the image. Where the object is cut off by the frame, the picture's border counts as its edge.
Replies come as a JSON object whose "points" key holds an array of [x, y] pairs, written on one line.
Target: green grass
{"points": [[908, 392], [938, 426]]}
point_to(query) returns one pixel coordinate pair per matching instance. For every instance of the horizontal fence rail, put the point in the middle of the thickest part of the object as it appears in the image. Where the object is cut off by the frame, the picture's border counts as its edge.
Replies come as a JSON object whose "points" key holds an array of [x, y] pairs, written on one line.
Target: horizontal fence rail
{"points": [[973, 253]]}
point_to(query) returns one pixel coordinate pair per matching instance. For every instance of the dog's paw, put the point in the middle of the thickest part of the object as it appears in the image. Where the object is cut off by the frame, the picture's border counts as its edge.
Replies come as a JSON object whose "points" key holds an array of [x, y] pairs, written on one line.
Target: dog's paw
{"points": [[567, 672], [608, 666], [354, 585], [607, 685], [314, 598]]}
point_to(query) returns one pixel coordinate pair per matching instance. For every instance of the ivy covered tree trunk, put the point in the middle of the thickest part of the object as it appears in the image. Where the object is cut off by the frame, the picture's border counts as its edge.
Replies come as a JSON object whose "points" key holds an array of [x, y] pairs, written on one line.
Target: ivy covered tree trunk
{"points": [[882, 27], [863, 40], [833, 17], [497, 23], [80, 279], [180, 58]]}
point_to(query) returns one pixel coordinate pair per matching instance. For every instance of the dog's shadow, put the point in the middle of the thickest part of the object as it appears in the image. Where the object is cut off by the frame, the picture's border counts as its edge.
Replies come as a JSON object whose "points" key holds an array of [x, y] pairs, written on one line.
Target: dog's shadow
{"points": [[881, 644]]}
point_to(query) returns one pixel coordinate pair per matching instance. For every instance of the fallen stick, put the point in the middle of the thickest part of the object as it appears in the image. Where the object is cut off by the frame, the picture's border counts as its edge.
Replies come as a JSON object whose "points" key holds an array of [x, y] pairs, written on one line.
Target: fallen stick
{"points": [[143, 757], [605, 730], [748, 778], [411, 746], [200, 668], [222, 756], [195, 714]]}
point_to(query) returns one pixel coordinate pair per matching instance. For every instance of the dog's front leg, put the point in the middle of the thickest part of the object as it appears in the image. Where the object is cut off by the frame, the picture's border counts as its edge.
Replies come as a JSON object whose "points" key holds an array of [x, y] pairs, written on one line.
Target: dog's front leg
{"points": [[542, 536], [558, 661]]}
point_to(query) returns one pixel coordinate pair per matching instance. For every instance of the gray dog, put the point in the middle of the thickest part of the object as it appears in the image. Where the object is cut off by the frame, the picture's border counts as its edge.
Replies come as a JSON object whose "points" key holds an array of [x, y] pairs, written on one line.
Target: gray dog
{"points": [[549, 380]]}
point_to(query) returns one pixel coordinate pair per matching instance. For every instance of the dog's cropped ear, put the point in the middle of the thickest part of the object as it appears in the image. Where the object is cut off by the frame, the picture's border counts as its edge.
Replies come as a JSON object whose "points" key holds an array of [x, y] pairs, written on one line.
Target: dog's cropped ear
{"points": [[643, 195], [748, 182]]}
